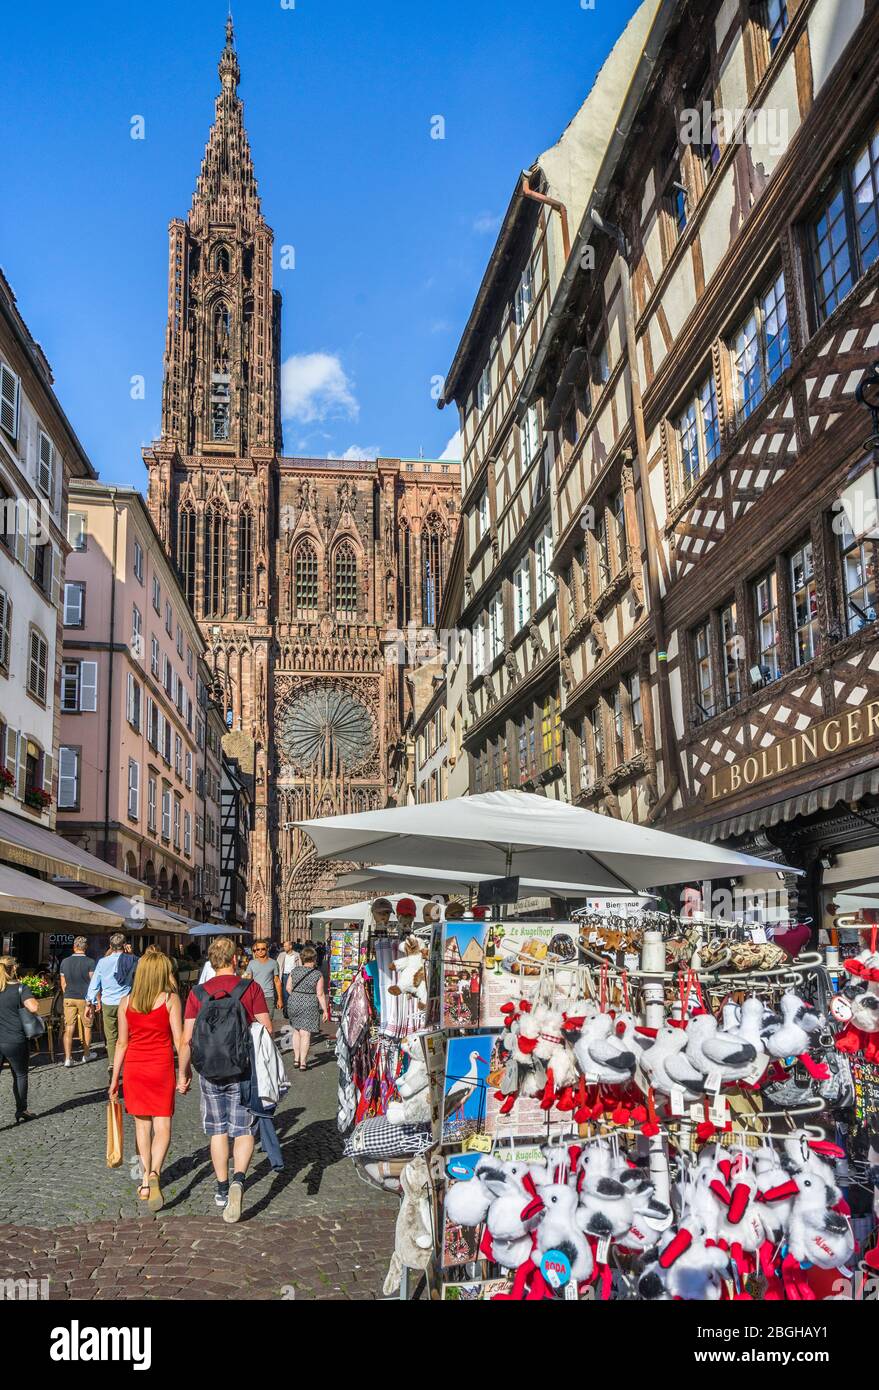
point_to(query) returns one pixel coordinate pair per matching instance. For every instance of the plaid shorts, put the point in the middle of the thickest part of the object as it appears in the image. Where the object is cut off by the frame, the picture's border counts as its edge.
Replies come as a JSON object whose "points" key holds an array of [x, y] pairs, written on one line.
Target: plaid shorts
{"points": [[222, 1111]]}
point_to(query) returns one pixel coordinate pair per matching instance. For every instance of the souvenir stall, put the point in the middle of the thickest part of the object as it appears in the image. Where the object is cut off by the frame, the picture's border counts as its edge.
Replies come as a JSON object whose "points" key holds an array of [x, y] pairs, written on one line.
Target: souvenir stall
{"points": [[632, 1105]]}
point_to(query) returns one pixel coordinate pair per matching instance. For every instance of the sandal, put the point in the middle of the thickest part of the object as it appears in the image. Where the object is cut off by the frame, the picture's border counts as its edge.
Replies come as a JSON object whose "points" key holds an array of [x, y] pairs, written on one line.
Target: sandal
{"points": [[156, 1199], [143, 1191]]}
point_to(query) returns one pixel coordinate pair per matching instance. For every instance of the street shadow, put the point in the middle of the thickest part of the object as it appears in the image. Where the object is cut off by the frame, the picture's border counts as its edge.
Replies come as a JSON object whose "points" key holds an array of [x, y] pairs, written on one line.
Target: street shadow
{"points": [[311, 1150], [198, 1167], [73, 1103]]}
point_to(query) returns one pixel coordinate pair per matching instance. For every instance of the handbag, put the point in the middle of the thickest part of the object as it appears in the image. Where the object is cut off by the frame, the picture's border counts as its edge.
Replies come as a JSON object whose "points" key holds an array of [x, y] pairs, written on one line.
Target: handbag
{"points": [[32, 1025], [114, 1134]]}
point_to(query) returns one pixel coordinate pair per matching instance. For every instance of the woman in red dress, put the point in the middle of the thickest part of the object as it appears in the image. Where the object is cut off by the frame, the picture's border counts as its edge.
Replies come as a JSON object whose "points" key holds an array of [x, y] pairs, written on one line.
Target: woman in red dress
{"points": [[150, 1028]]}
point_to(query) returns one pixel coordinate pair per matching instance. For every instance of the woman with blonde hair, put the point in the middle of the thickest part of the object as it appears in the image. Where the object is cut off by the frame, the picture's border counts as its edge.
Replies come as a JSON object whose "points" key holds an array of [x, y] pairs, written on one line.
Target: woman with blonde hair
{"points": [[150, 1028], [13, 1043]]}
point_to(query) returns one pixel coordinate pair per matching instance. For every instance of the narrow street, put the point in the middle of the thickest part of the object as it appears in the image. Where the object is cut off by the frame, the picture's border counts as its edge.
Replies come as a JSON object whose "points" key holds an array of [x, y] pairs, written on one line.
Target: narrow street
{"points": [[313, 1231]]}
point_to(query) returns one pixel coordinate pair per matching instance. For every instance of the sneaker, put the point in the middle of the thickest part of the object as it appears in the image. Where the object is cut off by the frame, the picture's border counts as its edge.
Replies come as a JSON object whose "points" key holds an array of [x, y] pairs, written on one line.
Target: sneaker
{"points": [[221, 1196], [232, 1211], [68, 1061], [89, 1056]]}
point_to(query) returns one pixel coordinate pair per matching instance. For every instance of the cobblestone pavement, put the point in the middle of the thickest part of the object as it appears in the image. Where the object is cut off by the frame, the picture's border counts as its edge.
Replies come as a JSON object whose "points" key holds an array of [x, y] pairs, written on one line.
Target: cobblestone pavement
{"points": [[313, 1231]]}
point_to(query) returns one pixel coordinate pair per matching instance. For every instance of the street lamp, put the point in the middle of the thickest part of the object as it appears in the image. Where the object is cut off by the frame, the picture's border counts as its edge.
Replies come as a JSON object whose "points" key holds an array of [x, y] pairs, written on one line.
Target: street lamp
{"points": [[867, 394]]}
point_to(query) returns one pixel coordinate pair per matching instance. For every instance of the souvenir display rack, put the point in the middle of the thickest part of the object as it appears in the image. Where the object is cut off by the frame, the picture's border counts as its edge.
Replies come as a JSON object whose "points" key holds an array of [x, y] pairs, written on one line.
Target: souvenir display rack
{"points": [[700, 1109]]}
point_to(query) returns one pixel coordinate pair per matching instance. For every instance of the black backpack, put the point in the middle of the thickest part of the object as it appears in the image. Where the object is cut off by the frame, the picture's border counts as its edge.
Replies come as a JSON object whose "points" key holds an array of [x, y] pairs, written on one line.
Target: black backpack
{"points": [[221, 1037]]}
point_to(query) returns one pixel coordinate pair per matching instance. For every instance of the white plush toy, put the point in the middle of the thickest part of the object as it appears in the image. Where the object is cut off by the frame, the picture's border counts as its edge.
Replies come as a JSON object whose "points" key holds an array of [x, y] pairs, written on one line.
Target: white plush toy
{"points": [[413, 1087], [413, 1244], [410, 975]]}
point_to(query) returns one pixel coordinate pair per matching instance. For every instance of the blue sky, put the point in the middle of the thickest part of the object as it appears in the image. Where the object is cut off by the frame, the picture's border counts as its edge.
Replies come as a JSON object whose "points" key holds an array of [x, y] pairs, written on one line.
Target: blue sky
{"points": [[391, 229]]}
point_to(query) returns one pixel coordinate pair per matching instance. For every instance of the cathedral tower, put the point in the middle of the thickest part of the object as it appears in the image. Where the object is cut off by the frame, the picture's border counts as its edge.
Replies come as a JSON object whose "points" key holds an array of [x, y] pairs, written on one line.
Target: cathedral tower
{"points": [[303, 572], [211, 473]]}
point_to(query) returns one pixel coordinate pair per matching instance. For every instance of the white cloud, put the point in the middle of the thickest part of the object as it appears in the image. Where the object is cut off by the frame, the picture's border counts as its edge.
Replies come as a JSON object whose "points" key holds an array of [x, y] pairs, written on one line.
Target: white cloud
{"points": [[314, 386], [486, 222], [453, 448], [358, 451]]}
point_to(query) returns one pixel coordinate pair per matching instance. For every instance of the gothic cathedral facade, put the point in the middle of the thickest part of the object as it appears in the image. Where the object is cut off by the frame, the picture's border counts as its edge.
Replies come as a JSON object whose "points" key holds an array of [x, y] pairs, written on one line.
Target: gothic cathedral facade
{"points": [[301, 572]]}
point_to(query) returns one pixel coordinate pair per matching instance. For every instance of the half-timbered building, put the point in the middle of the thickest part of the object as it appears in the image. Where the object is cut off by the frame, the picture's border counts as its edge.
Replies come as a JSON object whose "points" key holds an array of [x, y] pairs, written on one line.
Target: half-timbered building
{"points": [[699, 371]]}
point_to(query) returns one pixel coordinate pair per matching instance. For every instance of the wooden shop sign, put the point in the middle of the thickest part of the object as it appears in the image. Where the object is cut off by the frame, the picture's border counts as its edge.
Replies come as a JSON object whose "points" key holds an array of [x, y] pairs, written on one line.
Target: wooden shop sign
{"points": [[835, 735]]}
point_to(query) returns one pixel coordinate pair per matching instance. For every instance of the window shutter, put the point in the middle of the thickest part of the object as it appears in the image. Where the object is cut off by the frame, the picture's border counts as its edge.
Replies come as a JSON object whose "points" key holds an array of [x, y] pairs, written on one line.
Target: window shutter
{"points": [[57, 572], [11, 751], [21, 771], [4, 628], [73, 598], [46, 465], [21, 532], [9, 401], [48, 766], [88, 686], [68, 777]]}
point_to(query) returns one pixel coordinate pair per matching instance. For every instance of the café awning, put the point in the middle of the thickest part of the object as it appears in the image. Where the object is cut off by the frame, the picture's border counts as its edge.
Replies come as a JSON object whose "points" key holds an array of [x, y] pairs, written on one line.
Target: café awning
{"points": [[45, 906], [849, 789], [34, 847], [517, 834], [138, 915]]}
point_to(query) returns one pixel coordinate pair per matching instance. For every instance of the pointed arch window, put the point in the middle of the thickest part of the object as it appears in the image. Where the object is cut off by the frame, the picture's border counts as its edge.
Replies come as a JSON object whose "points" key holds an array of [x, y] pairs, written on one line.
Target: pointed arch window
{"points": [[405, 570], [245, 562], [221, 259], [216, 563], [305, 578], [432, 576], [345, 579], [186, 553]]}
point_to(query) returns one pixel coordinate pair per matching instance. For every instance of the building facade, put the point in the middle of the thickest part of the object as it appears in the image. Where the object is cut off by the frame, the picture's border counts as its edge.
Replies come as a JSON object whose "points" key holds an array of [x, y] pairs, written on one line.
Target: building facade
{"points": [[39, 455], [210, 728], [303, 574], [715, 503], [131, 720], [513, 728]]}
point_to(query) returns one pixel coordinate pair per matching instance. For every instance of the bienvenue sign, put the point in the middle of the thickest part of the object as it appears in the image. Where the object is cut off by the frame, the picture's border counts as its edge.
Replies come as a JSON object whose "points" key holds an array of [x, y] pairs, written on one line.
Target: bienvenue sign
{"points": [[837, 734]]}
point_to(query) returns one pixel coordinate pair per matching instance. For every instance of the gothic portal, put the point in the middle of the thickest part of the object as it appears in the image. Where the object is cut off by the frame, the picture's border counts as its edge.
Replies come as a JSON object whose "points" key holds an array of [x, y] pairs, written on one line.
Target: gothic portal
{"points": [[300, 571]]}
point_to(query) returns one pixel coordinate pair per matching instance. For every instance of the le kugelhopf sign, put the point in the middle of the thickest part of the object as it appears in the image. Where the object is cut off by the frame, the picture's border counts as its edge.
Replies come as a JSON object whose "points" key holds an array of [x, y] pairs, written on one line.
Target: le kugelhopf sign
{"points": [[835, 735]]}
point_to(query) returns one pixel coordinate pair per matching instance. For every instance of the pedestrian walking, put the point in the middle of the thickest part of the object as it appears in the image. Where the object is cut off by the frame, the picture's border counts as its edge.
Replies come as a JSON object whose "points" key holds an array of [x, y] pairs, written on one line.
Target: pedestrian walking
{"points": [[14, 1046], [306, 1004], [109, 985], [288, 958], [266, 972], [150, 1022], [76, 972], [216, 1041]]}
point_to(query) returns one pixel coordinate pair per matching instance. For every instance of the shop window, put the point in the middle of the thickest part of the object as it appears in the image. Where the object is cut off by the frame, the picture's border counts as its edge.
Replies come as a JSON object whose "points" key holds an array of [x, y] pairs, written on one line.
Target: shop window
{"points": [[733, 655], [845, 232], [496, 625], [522, 592], [618, 727], [545, 576], [633, 685], [804, 599], [597, 740], [770, 22], [618, 511], [766, 622], [856, 521], [705, 694], [760, 349], [698, 434], [673, 197]]}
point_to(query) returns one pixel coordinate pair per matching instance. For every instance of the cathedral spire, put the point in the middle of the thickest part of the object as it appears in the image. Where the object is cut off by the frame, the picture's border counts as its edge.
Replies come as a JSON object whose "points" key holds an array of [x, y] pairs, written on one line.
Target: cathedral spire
{"points": [[226, 190]]}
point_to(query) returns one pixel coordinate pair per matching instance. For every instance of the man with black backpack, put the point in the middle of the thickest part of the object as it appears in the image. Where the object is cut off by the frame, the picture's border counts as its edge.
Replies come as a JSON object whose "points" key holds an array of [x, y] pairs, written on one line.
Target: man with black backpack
{"points": [[216, 1042]]}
